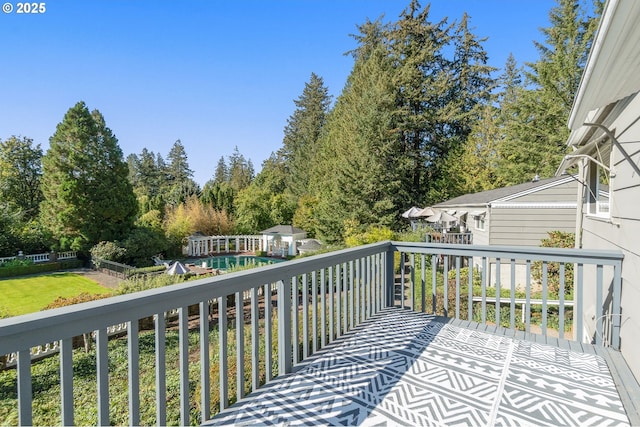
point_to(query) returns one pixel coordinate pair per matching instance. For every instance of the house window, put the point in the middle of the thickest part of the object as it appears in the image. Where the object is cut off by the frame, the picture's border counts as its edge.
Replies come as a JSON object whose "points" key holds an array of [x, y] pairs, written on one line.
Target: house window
{"points": [[598, 196], [479, 222]]}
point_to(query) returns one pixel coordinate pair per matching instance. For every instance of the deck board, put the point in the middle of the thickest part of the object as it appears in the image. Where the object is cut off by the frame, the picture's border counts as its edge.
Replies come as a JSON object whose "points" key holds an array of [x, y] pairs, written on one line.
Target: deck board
{"points": [[408, 368]]}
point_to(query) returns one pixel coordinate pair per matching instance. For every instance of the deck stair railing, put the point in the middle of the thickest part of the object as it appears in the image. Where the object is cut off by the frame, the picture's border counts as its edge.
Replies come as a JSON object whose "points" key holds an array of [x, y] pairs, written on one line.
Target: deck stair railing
{"points": [[295, 309]]}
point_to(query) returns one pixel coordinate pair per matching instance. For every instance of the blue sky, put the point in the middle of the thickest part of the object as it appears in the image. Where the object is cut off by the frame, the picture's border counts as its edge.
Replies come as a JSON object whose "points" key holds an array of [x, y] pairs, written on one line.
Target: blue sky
{"points": [[214, 74]]}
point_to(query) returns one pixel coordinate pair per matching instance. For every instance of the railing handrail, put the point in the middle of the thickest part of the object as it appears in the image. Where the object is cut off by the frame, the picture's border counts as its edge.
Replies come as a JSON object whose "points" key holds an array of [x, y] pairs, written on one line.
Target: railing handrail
{"points": [[569, 255], [29, 330]]}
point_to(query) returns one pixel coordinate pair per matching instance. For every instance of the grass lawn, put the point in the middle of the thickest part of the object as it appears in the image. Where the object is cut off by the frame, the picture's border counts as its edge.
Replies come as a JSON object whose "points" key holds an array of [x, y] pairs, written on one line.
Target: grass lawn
{"points": [[23, 295]]}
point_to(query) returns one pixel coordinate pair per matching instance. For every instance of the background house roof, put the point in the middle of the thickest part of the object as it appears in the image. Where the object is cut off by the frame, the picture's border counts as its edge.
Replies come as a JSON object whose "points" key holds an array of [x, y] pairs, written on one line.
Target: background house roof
{"points": [[287, 230], [489, 196]]}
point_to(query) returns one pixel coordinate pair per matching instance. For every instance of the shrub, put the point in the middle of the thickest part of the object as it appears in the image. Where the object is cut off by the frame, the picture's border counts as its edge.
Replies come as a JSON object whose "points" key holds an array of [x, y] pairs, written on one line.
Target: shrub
{"points": [[557, 239], [39, 268], [109, 251]]}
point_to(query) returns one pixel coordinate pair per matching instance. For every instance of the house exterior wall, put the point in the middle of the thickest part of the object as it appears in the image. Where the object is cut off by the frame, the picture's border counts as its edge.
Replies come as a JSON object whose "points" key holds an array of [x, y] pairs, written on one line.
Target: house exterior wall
{"points": [[526, 225], [621, 232]]}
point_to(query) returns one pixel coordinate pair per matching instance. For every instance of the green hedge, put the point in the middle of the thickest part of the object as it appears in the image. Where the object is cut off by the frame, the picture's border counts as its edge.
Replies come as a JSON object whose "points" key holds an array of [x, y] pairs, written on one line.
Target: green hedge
{"points": [[39, 268]]}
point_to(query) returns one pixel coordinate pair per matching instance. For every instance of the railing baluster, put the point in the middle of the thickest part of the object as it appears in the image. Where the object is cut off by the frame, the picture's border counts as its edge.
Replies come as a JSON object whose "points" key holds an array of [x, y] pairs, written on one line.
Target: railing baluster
{"points": [[66, 380], [305, 316], [356, 296], [345, 294], [434, 278], [161, 377], [599, 305], [457, 287], [369, 287], [545, 293], [445, 298], [349, 301], [332, 303], [498, 288], [527, 308], [223, 352], [577, 304], [133, 372], [183, 343], [25, 392], [295, 340], [314, 309], [205, 393], [512, 306], [102, 367], [561, 302], [423, 282], [268, 353], [338, 301], [255, 340], [239, 346], [323, 308], [284, 327], [615, 316], [484, 290], [402, 280], [470, 290], [412, 281]]}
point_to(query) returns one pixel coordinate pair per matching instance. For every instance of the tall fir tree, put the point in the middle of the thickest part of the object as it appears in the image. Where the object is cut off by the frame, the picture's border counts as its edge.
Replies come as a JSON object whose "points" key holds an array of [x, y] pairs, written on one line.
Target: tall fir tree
{"points": [[87, 196], [180, 183], [535, 135], [302, 132]]}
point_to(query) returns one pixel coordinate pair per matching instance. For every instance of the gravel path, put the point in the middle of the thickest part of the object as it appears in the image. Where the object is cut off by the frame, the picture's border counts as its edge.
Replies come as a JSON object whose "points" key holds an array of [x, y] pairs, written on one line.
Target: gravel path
{"points": [[106, 280]]}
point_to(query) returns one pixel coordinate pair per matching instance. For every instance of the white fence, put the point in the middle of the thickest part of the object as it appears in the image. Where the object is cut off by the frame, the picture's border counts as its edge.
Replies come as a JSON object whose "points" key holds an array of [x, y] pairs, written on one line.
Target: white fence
{"points": [[45, 257]]}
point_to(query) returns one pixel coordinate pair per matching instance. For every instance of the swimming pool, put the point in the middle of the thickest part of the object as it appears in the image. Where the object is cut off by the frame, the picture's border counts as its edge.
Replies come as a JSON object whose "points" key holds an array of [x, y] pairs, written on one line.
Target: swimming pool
{"points": [[227, 262]]}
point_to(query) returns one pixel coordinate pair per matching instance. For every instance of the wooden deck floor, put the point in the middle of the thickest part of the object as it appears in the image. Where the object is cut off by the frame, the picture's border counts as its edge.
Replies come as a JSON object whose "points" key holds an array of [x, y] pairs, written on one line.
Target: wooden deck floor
{"points": [[407, 368]]}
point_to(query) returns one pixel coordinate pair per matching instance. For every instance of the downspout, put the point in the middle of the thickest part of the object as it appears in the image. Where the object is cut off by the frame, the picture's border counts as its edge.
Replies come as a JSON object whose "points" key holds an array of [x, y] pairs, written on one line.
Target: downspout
{"points": [[580, 207]]}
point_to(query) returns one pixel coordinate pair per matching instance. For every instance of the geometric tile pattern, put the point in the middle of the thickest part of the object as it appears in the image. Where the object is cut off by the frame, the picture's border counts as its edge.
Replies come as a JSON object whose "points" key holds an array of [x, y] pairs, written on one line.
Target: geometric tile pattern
{"points": [[408, 368]]}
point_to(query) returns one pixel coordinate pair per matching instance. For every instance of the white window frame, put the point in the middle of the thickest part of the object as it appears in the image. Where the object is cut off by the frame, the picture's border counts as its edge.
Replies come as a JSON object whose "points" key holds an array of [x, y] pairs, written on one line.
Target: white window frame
{"points": [[478, 222], [598, 200]]}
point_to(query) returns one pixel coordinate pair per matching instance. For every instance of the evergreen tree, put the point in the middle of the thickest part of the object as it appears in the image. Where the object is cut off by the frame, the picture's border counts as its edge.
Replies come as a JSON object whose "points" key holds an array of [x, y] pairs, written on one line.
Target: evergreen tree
{"points": [[536, 134], [20, 174], [87, 196], [302, 132], [354, 177], [222, 173], [240, 171], [179, 176]]}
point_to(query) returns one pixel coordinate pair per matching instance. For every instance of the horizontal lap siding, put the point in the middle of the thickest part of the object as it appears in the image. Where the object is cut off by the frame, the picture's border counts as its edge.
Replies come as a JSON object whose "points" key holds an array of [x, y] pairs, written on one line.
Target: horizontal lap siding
{"points": [[527, 226], [622, 231], [561, 193]]}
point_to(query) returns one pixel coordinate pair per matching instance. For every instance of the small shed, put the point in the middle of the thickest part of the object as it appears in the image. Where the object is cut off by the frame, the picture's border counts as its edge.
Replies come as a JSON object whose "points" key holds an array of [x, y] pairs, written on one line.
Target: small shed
{"points": [[282, 240], [309, 245]]}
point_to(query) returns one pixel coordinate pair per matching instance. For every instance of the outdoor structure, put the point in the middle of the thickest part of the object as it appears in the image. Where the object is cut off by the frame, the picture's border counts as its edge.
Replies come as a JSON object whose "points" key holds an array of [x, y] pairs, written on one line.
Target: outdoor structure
{"points": [[517, 215], [199, 245], [282, 240], [605, 137], [522, 214]]}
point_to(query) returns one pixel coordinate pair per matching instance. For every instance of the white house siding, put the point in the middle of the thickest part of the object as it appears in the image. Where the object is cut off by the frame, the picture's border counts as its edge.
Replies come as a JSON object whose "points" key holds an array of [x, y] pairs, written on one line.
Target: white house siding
{"points": [[622, 232], [559, 193]]}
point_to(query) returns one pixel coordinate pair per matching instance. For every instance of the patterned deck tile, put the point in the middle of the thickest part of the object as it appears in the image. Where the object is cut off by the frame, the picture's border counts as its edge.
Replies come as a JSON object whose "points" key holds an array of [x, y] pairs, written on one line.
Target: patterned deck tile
{"points": [[405, 368]]}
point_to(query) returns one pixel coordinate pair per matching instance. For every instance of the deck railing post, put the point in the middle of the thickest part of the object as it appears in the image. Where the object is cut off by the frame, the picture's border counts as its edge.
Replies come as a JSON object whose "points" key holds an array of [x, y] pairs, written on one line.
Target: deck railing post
{"points": [[389, 277], [615, 318]]}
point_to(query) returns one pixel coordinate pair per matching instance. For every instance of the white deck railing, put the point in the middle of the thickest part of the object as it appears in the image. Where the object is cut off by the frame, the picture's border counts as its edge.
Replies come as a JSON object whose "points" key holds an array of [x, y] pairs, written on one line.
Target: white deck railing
{"points": [[314, 300]]}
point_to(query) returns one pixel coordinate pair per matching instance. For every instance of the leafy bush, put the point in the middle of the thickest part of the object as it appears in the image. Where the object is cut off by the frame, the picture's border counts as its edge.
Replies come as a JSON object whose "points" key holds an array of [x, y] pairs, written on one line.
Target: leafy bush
{"points": [[142, 244], [16, 263], [373, 234], [109, 251], [557, 239]]}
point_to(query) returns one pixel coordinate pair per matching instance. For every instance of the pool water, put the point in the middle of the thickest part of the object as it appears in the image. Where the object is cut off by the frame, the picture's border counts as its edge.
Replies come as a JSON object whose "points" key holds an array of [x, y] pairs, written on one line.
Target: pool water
{"points": [[230, 261]]}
